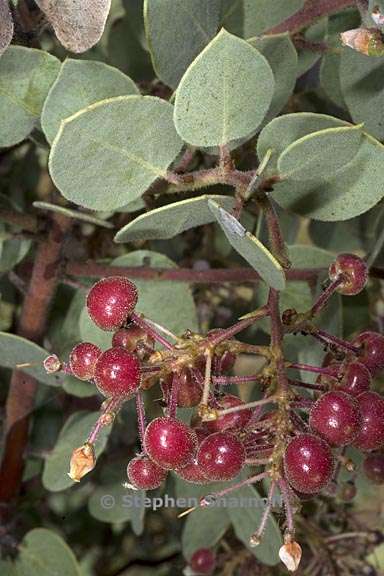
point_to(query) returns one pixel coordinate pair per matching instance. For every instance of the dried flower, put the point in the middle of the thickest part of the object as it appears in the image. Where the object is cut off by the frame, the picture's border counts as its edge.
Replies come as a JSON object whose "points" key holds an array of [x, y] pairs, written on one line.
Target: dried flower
{"points": [[377, 16], [83, 460], [364, 40], [290, 554], [52, 364]]}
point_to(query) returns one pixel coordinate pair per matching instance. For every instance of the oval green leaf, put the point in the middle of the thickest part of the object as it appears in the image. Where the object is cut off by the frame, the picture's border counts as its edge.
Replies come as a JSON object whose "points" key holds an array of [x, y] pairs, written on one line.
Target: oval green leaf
{"points": [[45, 553], [172, 219], [174, 47], [204, 528], [108, 154], [225, 93], [320, 154], [73, 434], [250, 248], [79, 84], [15, 350], [26, 76], [114, 503]]}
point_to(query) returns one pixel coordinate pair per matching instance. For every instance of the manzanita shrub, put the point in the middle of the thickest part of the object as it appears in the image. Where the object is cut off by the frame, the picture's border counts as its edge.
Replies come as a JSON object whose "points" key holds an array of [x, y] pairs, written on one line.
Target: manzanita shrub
{"points": [[192, 298]]}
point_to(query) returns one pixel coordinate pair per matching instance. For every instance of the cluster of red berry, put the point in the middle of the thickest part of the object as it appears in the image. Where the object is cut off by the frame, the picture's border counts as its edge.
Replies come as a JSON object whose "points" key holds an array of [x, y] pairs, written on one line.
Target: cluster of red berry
{"points": [[300, 455]]}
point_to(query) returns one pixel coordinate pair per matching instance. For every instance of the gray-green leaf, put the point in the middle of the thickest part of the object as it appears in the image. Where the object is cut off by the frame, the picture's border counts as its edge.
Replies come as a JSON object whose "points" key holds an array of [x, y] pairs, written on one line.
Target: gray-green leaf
{"points": [[79, 84], [174, 46], [26, 76], [45, 553], [114, 504], [107, 155], [172, 219], [73, 434], [224, 94], [250, 248]]}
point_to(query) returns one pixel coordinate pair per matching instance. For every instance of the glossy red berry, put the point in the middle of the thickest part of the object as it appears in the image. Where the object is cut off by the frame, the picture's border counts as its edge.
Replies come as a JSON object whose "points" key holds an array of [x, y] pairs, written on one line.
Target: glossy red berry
{"points": [[134, 339], [117, 373], [374, 468], [233, 420], [110, 301], [144, 474], [192, 471], [170, 443], [371, 433], [82, 360], [336, 418], [308, 463], [221, 456], [356, 379], [372, 350], [203, 561], [353, 271]]}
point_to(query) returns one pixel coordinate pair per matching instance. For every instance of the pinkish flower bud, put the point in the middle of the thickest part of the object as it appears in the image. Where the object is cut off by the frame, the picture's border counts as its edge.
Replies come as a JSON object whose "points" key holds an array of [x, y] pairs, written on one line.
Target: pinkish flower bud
{"points": [[83, 460]]}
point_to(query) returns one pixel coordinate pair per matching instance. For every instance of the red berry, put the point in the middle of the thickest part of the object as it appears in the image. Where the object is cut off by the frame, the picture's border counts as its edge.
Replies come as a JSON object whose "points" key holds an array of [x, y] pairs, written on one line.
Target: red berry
{"points": [[110, 301], [371, 434], [134, 339], [170, 443], [336, 418], [356, 379], [192, 471], [117, 373], [374, 468], [354, 272], [82, 360], [221, 456], [308, 463], [233, 420], [144, 474], [190, 390], [372, 350], [203, 561]]}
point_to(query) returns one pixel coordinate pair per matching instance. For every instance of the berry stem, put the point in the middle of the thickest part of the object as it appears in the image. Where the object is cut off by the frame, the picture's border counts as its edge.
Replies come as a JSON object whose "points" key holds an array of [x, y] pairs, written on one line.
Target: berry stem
{"points": [[307, 386], [228, 333], [331, 339], [257, 461], [309, 368], [226, 380], [175, 387], [325, 296], [229, 489], [162, 329], [207, 378], [278, 247], [257, 536], [247, 406], [303, 404], [106, 417], [141, 420], [139, 321], [286, 495]]}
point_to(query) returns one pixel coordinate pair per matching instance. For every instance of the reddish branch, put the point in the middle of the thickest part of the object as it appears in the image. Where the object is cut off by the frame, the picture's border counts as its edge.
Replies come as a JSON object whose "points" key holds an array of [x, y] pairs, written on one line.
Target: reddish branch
{"points": [[32, 325], [312, 10]]}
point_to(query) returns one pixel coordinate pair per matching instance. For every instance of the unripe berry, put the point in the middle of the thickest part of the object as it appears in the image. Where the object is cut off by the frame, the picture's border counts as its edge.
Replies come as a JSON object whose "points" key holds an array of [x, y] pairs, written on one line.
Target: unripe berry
{"points": [[110, 301], [374, 468], [372, 350], [233, 420], [133, 339], [144, 474], [354, 272], [371, 433], [221, 456], [170, 443], [336, 418], [308, 463], [82, 360], [117, 373], [203, 561]]}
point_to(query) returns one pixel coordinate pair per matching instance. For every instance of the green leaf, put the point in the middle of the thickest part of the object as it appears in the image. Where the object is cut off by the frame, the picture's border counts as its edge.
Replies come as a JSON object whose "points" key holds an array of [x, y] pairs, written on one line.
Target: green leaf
{"points": [[107, 155], [73, 434], [26, 76], [44, 553], [77, 25], [174, 46], [79, 388], [246, 521], [252, 17], [6, 26], [282, 58], [15, 350], [114, 503], [204, 529], [320, 154], [172, 219], [362, 88], [250, 248], [79, 84], [89, 332], [352, 191], [82, 216], [225, 93], [308, 57]]}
